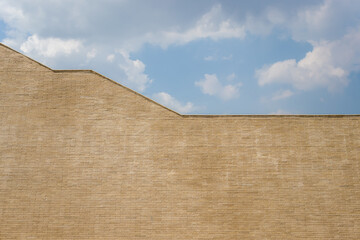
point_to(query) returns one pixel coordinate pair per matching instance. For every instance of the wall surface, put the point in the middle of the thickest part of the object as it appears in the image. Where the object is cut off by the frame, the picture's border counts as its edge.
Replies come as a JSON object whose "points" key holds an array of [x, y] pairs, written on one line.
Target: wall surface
{"points": [[82, 157]]}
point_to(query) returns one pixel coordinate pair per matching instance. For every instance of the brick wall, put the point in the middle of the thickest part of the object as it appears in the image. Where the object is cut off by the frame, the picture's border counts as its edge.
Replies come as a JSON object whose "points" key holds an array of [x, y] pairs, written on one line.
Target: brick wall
{"points": [[82, 157]]}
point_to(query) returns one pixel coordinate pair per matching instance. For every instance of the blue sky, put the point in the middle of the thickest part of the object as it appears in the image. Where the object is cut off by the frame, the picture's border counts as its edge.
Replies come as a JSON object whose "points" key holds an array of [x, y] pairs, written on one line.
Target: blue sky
{"points": [[205, 56]]}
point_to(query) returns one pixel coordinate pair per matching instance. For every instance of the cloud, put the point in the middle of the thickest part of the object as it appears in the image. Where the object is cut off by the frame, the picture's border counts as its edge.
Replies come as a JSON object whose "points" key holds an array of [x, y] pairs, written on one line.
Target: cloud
{"points": [[303, 75], [328, 65], [11, 14], [170, 102], [333, 29], [134, 71], [50, 47], [282, 94], [210, 85]]}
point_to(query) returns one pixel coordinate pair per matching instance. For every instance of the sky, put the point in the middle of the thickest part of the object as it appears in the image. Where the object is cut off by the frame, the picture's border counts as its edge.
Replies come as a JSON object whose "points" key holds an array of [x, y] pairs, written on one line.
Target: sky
{"points": [[204, 56]]}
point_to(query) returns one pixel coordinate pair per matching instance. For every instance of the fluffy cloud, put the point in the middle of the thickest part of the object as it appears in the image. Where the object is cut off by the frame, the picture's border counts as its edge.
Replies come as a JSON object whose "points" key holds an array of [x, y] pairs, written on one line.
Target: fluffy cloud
{"points": [[134, 71], [11, 14], [327, 65], [330, 28], [210, 85], [50, 47], [170, 102]]}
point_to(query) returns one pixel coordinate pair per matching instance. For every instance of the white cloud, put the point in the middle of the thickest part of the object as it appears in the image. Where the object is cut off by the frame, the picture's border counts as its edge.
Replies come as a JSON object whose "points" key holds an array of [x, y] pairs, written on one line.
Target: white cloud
{"points": [[282, 94], [210, 85], [327, 65], [134, 71], [11, 14], [50, 47], [333, 31], [170, 102]]}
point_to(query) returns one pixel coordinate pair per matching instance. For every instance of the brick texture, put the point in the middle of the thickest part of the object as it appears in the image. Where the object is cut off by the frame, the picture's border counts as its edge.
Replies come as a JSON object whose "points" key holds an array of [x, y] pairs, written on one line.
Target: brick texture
{"points": [[82, 157]]}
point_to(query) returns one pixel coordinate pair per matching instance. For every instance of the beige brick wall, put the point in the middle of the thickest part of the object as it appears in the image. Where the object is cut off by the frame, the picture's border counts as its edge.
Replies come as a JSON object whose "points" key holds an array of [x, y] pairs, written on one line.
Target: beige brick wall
{"points": [[82, 157]]}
